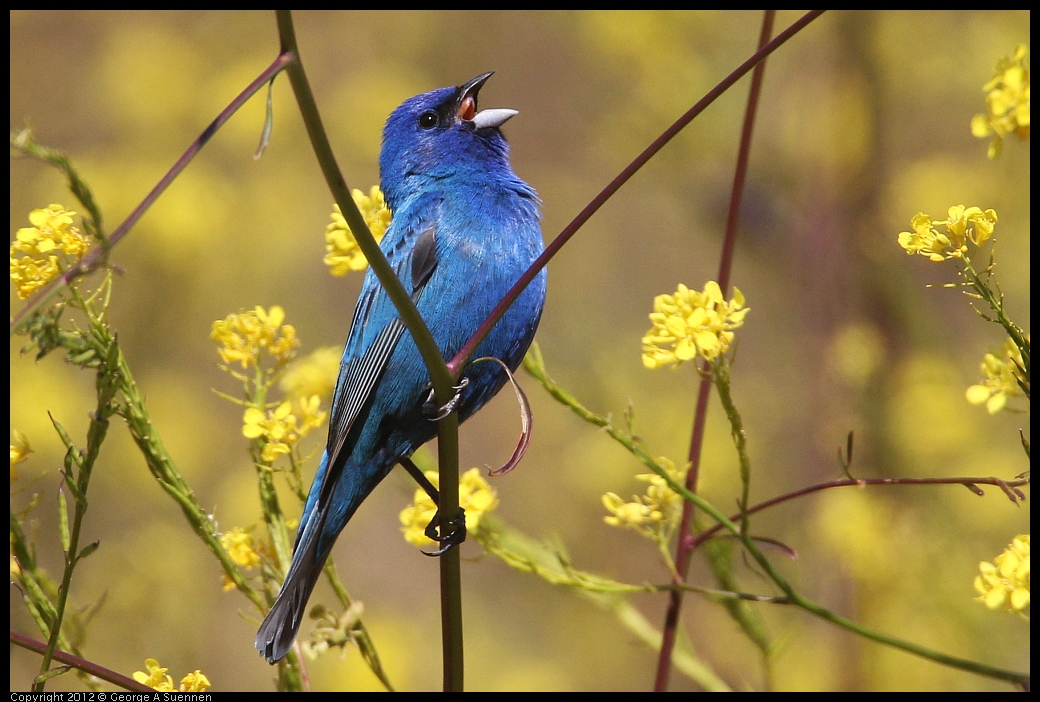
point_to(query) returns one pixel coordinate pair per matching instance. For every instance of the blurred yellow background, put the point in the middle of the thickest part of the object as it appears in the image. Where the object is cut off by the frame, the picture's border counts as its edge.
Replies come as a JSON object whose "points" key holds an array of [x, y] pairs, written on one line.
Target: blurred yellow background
{"points": [[864, 121]]}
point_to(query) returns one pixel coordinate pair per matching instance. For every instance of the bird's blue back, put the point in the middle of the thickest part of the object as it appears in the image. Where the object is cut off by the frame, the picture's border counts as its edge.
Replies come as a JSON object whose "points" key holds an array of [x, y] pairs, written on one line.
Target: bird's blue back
{"points": [[453, 183]]}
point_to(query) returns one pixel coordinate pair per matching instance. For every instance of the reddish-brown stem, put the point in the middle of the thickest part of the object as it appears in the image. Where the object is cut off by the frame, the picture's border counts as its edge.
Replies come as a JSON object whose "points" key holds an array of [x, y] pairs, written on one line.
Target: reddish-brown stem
{"points": [[77, 662], [684, 549], [456, 363], [96, 256], [1009, 487]]}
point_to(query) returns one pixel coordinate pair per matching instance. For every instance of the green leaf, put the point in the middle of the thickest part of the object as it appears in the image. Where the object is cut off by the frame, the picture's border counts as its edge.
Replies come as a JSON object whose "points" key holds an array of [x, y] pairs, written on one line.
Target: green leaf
{"points": [[265, 134], [63, 521], [53, 673]]}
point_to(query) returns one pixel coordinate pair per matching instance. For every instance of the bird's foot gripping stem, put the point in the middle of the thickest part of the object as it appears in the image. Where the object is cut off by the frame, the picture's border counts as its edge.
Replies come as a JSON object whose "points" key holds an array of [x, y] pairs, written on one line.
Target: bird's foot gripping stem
{"points": [[457, 532], [455, 535], [435, 413]]}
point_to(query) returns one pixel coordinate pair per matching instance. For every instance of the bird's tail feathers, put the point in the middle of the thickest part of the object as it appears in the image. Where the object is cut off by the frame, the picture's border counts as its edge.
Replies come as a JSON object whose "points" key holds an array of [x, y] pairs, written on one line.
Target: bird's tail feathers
{"points": [[278, 632]]}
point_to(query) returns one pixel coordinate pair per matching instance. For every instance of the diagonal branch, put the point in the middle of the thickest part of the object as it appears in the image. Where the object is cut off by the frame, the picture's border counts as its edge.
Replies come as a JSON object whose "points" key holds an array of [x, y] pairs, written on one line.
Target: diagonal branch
{"points": [[471, 346], [99, 255], [86, 666], [1009, 487]]}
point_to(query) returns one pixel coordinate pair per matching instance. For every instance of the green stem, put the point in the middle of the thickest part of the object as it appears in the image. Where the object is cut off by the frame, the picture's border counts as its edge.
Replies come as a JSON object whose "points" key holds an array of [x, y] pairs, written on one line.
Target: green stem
{"points": [[519, 551], [274, 519], [360, 632], [78, 482], [165, 472], [813, 608], [271, 508], [996, 304], [534, 366], [451, 579], [23, 141], [718, 553], [442, 379], [720, 372]]}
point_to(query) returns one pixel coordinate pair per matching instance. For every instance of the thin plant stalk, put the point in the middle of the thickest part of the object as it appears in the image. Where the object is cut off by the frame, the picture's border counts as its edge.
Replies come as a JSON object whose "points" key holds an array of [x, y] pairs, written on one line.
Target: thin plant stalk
{"points": [[684, 547], [821, 612], [89, 667], [78, 468], [1009, 487], [442, 378]]}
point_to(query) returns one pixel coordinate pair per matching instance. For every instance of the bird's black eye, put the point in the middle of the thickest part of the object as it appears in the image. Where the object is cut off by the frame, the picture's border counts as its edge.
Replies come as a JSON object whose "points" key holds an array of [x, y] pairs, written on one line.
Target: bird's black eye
{"points": [[428, 119]]}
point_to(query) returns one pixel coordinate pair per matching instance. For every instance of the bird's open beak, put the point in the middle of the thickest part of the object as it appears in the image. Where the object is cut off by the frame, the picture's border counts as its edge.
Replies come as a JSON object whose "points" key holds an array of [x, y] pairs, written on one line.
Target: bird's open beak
{"points": [[467, 109]]}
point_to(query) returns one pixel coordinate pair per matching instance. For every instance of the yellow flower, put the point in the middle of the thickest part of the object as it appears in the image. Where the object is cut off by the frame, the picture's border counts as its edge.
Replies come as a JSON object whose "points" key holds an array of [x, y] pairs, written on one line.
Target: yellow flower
{"points": [[344, 255], [970, 223], [156, 677], [635, 515], [279, 427], [653, 514], [1007, 97], [475, 496], [20, 450], [691, 323], [239, 546], [962, 225], [311, 415], [315, 374], [1004, 583], [1001, 381], [194, 682], [49, 247], [29, 274], [246, 334]]}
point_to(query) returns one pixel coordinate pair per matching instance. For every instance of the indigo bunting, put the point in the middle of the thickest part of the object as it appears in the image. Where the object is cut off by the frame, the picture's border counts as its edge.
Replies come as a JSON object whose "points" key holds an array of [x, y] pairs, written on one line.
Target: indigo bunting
{"points": [[464, 229]]}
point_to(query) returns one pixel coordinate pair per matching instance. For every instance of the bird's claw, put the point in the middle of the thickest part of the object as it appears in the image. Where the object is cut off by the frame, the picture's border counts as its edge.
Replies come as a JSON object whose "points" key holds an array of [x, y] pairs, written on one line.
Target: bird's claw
{"points": [[436, 414], [449, 540]]}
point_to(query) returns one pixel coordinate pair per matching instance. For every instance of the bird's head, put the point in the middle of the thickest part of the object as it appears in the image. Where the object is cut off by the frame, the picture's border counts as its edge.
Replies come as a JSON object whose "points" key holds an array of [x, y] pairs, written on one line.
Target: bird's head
{"points": [[439, 135]]}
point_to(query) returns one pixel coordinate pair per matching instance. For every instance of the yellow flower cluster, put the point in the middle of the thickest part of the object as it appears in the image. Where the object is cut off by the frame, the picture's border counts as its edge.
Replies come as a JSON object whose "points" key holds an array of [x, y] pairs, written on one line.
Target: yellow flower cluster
{"points": [[244, 335], [344, 255], [691, 323], [1004, 583], [49, 247], [279, 428], [475, 496], [20, 450], [239, 545], [157, 679], [1001, 381], [1007, 97], [963, 224], [315, 374], [653, 514]]}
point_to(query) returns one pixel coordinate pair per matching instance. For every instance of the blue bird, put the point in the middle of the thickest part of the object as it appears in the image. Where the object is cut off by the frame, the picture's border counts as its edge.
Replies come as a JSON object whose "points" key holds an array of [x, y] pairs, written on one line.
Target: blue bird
{"points": [[464, 229]]}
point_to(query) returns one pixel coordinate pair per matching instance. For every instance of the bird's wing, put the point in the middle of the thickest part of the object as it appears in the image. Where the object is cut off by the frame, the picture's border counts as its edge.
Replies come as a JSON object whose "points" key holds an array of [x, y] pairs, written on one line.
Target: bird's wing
{"points": [[359, 377], [355, 386]]}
